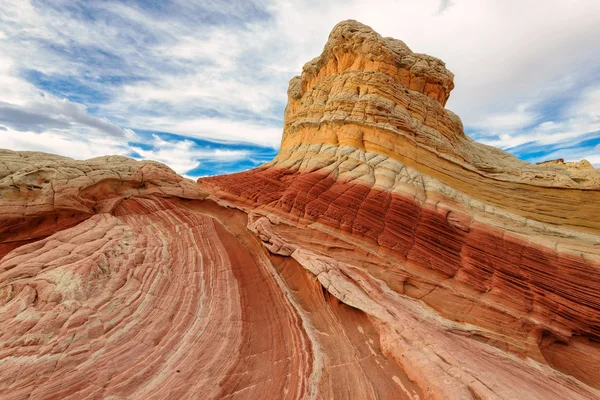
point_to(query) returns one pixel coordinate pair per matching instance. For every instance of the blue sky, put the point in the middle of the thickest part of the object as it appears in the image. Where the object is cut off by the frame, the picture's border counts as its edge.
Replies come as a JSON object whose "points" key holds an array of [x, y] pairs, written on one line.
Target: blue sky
{"points": [[201, 85]]}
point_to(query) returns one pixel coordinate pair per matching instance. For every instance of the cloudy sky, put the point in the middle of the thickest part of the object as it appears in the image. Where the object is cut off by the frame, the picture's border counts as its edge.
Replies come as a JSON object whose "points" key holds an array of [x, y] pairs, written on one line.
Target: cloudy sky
{"points": [[201, 85]]}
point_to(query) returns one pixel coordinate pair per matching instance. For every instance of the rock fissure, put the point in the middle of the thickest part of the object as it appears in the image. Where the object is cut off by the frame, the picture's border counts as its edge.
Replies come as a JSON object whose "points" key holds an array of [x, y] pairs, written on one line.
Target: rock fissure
{"points": [[381, 254]]}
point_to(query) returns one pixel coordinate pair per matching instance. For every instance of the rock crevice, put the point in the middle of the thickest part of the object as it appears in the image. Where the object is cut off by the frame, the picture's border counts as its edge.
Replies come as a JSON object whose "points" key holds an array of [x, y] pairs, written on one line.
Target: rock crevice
{"points": [[382, 254]]}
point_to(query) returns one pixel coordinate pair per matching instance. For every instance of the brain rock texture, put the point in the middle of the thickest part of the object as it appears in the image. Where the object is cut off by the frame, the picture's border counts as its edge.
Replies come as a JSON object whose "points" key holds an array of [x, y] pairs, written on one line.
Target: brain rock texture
{"points": [[382, 254]]}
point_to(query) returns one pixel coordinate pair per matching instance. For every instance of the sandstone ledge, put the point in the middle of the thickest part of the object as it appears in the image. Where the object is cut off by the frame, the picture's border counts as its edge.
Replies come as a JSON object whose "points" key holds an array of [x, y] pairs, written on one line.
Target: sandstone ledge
{"points": [[382, 254]]}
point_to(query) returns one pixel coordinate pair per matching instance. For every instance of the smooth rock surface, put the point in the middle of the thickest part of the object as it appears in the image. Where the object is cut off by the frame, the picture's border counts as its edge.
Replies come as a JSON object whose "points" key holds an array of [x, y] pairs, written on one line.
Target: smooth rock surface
{"points": [[382, 255]]}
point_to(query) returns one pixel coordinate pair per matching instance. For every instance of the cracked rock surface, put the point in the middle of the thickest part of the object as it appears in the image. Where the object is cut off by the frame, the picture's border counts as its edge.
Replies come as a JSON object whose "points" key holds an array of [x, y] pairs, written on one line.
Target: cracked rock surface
{"points": [[381, 255]]}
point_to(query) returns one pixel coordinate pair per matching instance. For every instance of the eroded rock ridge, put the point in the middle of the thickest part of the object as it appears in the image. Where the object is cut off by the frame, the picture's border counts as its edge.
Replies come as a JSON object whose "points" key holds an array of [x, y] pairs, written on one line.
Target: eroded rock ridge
{"points": [[382, 254]]}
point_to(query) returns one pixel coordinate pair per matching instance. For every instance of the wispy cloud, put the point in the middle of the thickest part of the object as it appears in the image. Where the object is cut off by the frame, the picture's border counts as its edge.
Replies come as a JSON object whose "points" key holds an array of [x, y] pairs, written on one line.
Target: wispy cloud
{"points": [[49, 112], [214, 73], [444, 4], [565, 126], [69, 143], [185, 155]]}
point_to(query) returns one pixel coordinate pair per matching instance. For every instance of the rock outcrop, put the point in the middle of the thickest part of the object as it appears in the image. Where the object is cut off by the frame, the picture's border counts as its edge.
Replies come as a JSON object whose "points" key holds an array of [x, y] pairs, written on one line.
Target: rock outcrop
{"points": [[43, 194], [381, 254]]}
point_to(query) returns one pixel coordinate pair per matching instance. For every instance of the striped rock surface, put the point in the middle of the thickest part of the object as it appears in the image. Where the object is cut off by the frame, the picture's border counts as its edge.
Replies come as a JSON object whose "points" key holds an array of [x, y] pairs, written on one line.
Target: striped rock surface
{"points": [[381, 255]]}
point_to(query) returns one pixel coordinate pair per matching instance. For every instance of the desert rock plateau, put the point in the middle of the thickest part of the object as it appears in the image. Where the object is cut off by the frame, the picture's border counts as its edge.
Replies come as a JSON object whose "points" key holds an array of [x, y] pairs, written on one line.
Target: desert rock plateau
{"points": [[382, 254]]}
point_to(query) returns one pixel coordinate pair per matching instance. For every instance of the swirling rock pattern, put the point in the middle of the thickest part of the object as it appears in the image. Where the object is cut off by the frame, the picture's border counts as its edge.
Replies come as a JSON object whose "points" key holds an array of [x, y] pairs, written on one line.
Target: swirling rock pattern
{"points": [[42, 193], [381, 255]]}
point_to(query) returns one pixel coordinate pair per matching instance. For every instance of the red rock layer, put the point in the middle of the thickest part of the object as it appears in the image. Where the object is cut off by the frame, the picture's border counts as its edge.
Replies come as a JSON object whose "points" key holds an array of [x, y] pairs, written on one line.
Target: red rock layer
{"points": [[161, 300], [381, 255], [556, 291], [479, 236], [42, 194]]}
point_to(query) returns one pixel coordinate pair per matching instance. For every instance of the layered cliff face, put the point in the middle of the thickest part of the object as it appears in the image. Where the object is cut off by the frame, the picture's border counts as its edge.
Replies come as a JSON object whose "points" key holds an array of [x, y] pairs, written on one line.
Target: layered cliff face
{"points": [[381, 254]]}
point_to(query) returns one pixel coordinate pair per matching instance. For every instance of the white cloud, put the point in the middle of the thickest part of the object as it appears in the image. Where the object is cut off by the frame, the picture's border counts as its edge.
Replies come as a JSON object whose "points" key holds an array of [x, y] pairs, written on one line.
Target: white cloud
{"points": [[175, 154], [44, 111], [588, 106], [227, 81], [184, 155], [582, 116], [215, 129], [181, 155], [14, 89], [68, 144], [36, 120], [593, 158], [520, 117]]}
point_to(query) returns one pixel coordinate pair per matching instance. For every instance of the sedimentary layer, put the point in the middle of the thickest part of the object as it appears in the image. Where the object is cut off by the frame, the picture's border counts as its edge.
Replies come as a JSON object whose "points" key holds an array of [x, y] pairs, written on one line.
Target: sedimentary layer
{"points": [[382, 254], [482, 238]]}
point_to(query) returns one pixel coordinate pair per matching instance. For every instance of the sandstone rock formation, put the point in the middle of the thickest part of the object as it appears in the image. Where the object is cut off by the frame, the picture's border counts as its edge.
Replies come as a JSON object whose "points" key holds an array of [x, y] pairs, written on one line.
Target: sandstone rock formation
{"points": [[381, 254]]}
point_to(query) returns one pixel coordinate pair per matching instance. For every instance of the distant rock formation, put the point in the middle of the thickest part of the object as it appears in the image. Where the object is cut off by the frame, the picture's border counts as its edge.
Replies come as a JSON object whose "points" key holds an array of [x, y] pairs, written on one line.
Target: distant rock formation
{"points": [[381, 255], [575, 165]]}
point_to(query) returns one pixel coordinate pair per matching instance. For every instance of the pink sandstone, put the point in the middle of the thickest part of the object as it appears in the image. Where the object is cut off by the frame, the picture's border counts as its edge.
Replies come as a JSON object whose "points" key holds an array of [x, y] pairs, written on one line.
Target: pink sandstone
{"points": [[381, 255]]}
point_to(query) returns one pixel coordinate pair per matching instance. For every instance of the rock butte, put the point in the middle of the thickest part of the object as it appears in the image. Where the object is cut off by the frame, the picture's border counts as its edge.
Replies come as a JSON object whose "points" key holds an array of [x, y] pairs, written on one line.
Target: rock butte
{"points": [[381, 254]]}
